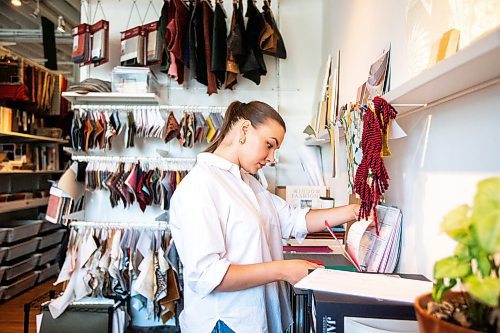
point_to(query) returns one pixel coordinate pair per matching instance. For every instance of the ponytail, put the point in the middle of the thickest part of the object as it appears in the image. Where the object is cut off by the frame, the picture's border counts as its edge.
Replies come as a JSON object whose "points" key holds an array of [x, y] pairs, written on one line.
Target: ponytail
{"points": [[256, 112]]}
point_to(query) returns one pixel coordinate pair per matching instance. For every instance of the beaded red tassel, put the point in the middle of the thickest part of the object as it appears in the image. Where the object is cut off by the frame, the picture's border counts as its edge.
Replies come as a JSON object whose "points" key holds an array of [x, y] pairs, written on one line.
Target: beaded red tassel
{"points": [[372, 179]]}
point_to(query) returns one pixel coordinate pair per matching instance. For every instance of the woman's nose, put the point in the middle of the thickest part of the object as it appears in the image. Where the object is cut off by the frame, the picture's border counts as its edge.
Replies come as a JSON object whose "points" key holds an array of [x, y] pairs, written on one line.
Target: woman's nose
{"points": [[270, 159]]}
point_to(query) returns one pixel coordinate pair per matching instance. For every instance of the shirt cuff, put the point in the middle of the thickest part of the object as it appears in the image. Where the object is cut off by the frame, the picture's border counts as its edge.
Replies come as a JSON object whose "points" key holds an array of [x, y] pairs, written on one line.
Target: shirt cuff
{"points": [[300, 229], [211, 278]]}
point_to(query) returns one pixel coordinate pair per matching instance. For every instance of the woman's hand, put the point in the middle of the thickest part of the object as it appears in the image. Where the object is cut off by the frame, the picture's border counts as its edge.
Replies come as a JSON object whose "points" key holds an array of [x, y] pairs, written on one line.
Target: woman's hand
{"points": [[295, 270]]}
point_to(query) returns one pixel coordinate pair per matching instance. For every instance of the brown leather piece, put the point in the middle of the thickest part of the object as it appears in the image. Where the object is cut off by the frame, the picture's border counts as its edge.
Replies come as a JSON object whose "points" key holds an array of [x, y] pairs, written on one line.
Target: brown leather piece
{"points": [[208, 22], [172, 129]]}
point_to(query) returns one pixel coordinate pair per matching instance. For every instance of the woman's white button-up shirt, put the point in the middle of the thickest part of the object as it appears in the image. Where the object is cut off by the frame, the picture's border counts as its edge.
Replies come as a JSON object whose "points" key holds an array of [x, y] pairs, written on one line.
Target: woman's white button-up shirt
{"points": [[220, 216]]}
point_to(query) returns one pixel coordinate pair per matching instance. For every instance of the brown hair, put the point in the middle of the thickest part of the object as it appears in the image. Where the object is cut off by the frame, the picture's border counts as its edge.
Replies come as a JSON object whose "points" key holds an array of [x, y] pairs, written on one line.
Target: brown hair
{"points": [[256, 112]]}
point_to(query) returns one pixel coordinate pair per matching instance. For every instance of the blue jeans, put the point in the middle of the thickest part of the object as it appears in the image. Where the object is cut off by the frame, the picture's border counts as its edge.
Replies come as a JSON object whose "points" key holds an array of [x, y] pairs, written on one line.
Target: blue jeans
{"points": [[221, 327]]}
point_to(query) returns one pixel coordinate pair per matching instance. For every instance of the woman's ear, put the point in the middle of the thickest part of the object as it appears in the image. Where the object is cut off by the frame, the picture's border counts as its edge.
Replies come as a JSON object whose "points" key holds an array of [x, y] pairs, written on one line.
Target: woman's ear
{"points": [[244, 127]]}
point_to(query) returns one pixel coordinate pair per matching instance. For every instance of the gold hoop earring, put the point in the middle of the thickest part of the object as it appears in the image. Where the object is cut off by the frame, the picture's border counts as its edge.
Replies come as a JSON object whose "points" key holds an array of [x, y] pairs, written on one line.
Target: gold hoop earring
{"points": [[243, 139]]}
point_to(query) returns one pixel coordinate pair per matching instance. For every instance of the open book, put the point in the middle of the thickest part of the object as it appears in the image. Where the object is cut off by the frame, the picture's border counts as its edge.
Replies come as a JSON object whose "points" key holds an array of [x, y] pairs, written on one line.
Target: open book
{"points": [[369, 252]]}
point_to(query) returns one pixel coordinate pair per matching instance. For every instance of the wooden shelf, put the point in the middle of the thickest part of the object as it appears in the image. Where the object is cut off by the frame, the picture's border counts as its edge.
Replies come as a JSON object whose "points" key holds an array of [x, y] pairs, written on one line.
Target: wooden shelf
{"points": [[22, 137], [320, 139], [30, 172], [12, 206], [110, 98], [470, 67]]}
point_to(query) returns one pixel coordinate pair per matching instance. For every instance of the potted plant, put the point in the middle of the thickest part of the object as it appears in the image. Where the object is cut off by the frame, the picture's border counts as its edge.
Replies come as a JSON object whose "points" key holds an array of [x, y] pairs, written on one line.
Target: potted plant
{"points": [[474, 267]]}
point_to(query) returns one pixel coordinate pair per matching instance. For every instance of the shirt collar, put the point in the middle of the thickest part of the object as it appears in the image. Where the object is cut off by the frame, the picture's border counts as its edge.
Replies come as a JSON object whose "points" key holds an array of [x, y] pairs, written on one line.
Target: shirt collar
{"points": [[217, 161]]}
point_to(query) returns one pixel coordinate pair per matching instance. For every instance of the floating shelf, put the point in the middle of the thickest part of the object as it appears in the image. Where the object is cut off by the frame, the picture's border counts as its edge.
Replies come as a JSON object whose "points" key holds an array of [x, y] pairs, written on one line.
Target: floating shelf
{"points": [[30, 172], [470, 67], [22, 137], [114, 98], [11, 206], [322, 138]]}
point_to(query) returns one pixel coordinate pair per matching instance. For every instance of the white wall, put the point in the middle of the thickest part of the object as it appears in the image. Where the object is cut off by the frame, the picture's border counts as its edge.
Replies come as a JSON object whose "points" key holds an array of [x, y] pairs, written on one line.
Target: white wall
{"points": [[427, 179], [449, 147], [291, 85]]}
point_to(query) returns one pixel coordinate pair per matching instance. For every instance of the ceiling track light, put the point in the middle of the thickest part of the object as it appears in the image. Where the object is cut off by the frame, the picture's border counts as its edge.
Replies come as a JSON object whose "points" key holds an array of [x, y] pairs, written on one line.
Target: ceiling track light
{"points": [[16, 3], [36, 12]]}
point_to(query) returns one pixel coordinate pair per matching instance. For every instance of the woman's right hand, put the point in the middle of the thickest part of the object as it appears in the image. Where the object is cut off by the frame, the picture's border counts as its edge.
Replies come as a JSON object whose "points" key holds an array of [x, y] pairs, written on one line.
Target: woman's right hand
{"points": [[296, 270]]}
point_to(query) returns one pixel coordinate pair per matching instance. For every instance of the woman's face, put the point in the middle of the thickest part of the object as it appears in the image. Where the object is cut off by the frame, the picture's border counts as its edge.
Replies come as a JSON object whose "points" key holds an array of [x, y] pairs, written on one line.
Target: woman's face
{"points": [[260, 145]]}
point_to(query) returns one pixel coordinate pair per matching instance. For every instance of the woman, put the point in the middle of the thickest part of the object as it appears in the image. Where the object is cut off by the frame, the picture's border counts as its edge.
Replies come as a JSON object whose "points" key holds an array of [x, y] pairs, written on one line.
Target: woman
{"points": [[228, 230]]}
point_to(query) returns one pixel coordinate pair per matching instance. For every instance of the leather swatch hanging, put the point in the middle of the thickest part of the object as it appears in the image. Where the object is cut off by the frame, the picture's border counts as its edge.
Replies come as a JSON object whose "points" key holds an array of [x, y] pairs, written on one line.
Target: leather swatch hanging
{"points": [[272, 44], [219, 45], [177, 32], [172, 128], [235, 45], [162, 29], [253, 65], [208, 23], [198, 64]]}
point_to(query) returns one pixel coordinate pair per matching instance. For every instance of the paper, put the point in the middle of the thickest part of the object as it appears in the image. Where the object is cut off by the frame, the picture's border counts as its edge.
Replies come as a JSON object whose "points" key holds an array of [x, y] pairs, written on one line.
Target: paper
{"points": [[310, 159], [395, 132], [365, 285], [376, 253], [378, 325], [353, 261]]}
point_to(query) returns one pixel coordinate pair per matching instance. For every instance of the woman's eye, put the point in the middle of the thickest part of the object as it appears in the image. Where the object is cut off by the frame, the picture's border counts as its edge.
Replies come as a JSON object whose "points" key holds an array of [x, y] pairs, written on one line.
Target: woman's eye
{"points": [[269, 146]]}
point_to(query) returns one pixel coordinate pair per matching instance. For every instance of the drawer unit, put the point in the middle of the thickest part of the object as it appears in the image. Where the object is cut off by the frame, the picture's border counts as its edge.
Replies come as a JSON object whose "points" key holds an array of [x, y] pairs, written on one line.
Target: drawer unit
{"points": [[47, 272], [14, 270], [48, 255], [18, 230], [51, 239], [25, 282], [48, 226], [15, 251], [3, 234]]}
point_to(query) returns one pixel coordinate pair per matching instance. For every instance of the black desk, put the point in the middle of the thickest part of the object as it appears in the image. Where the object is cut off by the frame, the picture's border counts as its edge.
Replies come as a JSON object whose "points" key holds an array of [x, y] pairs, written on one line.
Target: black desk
{"points": [[330, 309]]}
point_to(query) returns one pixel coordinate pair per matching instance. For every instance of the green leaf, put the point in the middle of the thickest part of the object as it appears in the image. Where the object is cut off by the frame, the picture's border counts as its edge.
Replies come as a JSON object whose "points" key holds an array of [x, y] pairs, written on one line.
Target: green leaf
{"points": [[487, 198], [462, 251], [486, 290], [440, 288], [483, 264], [452, 267], [456, 223], [486, 231]]}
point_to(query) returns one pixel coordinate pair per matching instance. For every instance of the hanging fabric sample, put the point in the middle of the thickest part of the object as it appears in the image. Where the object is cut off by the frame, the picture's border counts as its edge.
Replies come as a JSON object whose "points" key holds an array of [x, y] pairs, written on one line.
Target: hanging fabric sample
{"points": [[132, 47], [153, 43], [271, 41], [235, 44], [81, 43], [162, 29], [198, 63], [219, 45], [208, 23], [119, 263], [372, 179], [253, 65], [172, 128], [100, 42], [177, 31], [351, 119]]}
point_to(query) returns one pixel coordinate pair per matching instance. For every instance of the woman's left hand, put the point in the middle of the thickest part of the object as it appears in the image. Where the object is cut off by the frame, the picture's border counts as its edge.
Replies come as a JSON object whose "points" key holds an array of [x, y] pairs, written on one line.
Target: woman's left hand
{"points": [[296, 270]]}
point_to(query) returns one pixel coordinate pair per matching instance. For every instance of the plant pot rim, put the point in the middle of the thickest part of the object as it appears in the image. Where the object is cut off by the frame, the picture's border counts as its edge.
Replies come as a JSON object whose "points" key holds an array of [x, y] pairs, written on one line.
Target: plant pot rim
{"points": [[423, 316]]}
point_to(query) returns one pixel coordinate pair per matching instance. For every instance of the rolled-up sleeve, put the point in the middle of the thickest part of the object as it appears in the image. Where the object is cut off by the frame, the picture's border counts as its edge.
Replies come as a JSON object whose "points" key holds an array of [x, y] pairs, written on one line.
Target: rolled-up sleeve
{"points": [[292, 220], [199, 240]]}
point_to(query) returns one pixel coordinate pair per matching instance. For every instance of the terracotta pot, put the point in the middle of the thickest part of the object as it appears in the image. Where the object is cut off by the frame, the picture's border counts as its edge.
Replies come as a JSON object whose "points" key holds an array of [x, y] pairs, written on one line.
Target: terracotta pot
{"points": [[430, 324]]}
